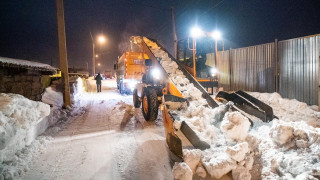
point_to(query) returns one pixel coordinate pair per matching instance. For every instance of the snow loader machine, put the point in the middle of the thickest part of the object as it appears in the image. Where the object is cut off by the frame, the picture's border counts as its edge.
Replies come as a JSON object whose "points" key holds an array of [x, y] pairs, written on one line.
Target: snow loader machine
{"points": [[156, 90]]}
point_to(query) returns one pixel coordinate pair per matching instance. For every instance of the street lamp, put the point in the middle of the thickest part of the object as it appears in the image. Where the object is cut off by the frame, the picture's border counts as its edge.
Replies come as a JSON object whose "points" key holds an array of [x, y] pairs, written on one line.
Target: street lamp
{"points": [[101, 40], [216, 35], [195, 33]]}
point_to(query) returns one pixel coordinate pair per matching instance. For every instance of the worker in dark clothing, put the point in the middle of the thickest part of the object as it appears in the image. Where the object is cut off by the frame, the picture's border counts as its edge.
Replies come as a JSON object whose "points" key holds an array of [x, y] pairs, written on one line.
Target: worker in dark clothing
{"points": [[98, 79]]}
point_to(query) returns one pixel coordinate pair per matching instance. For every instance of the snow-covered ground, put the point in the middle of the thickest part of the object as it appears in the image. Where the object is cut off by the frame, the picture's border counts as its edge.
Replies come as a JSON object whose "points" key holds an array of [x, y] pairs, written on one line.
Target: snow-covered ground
{"points": [[111, 140], [288, 148]]}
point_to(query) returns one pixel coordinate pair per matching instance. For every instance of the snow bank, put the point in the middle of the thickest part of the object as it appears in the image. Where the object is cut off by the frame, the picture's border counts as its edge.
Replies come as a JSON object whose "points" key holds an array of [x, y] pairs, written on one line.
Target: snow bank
{"points": [[287, 148], [18, 118]]}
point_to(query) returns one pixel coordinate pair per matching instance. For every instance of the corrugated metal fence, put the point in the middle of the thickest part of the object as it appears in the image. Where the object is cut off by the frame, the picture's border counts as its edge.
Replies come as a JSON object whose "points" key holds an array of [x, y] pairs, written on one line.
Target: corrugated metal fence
{"points": [[290, 67], [299, 68], [249, 68]]}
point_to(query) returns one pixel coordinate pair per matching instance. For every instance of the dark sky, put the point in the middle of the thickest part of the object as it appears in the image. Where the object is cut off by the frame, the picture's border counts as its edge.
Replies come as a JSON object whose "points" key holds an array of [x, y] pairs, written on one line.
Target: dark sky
{"points": [[28, 28]]}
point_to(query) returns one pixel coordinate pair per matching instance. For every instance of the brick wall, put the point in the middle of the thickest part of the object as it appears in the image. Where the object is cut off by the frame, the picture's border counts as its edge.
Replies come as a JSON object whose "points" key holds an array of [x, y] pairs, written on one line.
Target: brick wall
{"points": [[30, 84]]}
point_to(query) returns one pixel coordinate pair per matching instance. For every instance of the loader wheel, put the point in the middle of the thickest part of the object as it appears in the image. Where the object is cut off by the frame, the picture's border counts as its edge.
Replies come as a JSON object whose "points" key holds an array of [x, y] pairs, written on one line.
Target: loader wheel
{"points": [[136, 101], [150, 105]]}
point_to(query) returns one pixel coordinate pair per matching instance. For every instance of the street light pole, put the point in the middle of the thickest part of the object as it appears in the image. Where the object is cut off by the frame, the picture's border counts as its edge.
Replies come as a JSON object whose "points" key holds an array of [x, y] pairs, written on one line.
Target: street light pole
{"points": [[93, 57], [216, 49], [194, 50]]}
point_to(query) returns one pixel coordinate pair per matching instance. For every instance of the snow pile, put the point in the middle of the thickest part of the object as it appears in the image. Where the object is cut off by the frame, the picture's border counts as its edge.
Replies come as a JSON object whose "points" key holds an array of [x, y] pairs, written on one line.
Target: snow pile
{"points": [[79, 90], [287, 148], [18, 119], [55, 98], [52, 97], [289, 109]]}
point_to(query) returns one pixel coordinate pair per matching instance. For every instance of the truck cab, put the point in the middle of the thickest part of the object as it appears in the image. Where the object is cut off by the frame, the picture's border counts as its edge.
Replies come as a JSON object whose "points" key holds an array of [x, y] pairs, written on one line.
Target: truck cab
{"points": [[129, 70]]}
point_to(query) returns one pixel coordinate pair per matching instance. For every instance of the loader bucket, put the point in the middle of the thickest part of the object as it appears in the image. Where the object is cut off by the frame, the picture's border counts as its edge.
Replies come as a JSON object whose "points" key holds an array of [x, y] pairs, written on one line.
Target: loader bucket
{"points": [[248, 104], [173, 141], [193, 137]]}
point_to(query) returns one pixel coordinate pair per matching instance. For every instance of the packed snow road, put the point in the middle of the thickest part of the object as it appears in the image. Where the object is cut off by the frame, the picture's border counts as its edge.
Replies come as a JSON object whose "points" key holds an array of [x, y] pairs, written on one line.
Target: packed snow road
{"points": [[111, 140]]}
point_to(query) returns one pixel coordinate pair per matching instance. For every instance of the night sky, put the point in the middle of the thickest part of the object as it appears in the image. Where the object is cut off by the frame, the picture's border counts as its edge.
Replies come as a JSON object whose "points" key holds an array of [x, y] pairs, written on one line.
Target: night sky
{"points": [[28, 28]]}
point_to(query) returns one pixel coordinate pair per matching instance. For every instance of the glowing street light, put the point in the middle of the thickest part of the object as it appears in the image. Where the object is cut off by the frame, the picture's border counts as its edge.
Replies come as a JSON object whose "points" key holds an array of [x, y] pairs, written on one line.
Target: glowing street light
{"points": [[196, 32], [101, 39], [216, 35], [99, 64]]}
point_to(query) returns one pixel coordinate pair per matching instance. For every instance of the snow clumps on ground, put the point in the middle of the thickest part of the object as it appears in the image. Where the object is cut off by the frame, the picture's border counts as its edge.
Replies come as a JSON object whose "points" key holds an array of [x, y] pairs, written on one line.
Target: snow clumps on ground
{"points": [[285, 148]]}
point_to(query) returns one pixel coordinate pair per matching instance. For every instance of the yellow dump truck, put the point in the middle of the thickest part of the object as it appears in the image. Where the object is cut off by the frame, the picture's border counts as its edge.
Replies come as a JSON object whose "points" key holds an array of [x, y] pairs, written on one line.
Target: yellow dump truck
{"points": [[129, 69]]}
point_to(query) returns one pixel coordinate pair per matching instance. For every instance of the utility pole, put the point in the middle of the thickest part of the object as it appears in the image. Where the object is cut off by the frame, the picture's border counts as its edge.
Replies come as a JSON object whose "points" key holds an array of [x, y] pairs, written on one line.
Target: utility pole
{"points": [[63, 53], [216, 50], [93, 57], [175, 38]]}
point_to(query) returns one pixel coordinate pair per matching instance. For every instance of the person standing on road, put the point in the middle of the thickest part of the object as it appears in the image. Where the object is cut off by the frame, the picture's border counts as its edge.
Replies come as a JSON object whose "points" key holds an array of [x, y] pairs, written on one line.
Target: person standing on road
{"points": [[98, 79]]}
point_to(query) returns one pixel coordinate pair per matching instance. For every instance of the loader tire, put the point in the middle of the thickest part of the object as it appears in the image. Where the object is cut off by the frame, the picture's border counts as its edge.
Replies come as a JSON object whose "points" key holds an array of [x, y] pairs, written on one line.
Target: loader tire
{"points": [[136, 101], [150, 104]]}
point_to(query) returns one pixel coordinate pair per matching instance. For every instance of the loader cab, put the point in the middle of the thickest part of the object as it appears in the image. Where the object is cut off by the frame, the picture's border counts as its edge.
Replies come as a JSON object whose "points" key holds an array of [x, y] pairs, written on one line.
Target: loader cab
{"points": [[146, 77]]}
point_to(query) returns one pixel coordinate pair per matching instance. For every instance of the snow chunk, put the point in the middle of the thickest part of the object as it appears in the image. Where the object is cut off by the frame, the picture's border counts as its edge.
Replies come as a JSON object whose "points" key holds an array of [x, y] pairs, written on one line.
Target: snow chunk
{"points": [[235, 126], [219, 165], [52, 97], [248, 162], [238, 151], [241, 173], [182, 171], [201, 172], [192, 158], [281, 133]]}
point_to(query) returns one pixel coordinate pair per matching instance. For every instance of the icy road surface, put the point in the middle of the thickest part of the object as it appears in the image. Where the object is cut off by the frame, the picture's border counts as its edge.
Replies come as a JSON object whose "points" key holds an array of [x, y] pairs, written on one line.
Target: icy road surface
{"points": [[110, 141]]}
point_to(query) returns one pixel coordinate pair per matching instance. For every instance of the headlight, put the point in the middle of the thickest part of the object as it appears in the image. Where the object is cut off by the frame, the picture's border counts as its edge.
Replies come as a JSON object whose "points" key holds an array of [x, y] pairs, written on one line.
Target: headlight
{"points": [[132, 84], [156, 74], [213, 71]]}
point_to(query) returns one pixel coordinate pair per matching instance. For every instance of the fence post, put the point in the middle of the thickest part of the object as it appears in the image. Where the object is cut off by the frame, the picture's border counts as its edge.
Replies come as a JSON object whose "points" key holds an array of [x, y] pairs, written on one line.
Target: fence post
{"points": [[277, 67]]}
